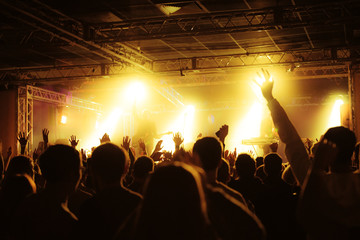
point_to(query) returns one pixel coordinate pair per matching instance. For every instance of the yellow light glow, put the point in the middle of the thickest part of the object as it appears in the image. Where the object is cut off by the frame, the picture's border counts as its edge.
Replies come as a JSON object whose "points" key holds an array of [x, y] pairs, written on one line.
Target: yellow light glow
{"points": [[249, 127], [136, 91], [188, 123], [335, 116], [108, 126], [63, 119], [184, 124]]}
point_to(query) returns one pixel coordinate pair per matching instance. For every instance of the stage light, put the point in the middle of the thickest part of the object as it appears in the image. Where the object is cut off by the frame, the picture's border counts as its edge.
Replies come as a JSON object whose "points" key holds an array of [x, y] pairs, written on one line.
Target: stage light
{"points": [[136, 91], [188, 124], [101, 127], [183, 123], [335, 116], [109, 126], [249, 127], [63, 119]]}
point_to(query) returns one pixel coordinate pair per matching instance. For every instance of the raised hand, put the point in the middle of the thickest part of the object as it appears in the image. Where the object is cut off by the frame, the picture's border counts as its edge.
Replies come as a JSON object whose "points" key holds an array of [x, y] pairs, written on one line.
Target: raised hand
{"points": [[308, 144], [23, 141], [232, 158], [156, 156], [45, 134], [158, 146], [105, 139], [178, 140], [36, 154], [274, 147], [83, 155], [223, 132], [126, 143], [22, 138], [142, 146], [73, 141], [167, 155], [267, 86]]}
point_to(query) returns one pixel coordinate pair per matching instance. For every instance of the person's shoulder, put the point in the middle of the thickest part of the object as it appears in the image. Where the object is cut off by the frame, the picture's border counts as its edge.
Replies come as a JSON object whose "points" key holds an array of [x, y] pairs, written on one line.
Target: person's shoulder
{"points": [[230, 191], [137, 197]]}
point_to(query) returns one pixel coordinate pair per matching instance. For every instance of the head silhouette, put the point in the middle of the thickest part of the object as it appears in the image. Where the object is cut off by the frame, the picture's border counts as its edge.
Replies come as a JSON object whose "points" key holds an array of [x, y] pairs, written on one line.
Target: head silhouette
{"points": [[173, 198], [20, 165], [109, 163], [209, 151], [273, 165], [224, 172], [60, 164], [245, 166], [16, 187], [345, 141], [142, 167]]}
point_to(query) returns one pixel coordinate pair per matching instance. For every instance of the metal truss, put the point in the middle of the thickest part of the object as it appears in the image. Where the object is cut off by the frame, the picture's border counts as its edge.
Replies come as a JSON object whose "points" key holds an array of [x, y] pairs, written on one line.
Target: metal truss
{"points": [[60, 74], [280, 17], [25, 118], [330, 71], [26, 97], [287, 57], [216, 79], [304, 63], [48, 20]]}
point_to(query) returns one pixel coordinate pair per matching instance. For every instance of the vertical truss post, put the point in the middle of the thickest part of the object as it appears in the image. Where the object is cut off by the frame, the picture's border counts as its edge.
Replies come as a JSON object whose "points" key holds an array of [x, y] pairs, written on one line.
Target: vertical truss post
{"points": [[21, 113], [25, 117], [30, 119]]}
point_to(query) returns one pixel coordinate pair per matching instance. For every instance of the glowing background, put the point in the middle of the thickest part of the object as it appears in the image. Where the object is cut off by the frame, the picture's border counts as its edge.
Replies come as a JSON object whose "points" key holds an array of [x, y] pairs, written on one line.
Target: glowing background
{"points": [[206, 108]]}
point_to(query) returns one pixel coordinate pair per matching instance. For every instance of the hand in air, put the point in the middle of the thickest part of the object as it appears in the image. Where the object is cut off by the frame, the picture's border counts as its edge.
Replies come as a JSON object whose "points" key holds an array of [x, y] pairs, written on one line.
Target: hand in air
{"points": [[73, 141], [178, 140], [22, 138], [45, 134], [267, 86], [105, 139], [126, 143]]}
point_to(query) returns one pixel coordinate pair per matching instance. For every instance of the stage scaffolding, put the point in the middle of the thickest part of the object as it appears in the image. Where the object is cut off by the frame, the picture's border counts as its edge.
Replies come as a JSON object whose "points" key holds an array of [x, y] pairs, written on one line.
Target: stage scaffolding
{"points": [[26, 97]]}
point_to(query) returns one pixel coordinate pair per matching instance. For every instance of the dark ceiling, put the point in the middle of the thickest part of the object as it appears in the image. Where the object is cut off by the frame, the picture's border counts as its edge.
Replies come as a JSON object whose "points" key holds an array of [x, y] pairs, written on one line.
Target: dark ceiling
{"points": [[57, 41]]}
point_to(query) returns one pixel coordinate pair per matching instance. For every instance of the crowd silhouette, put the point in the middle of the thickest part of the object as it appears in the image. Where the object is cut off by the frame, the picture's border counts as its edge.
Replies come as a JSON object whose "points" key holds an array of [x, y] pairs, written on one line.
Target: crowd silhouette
{"points": [[207, 193]]}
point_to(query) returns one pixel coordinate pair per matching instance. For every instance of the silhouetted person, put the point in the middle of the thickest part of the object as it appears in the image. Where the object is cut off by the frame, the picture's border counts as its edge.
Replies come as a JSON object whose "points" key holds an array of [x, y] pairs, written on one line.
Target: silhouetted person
{"points": [[224, 172], [247, 183], [101, 215], [45, 215], [143, 166], [174, 206], [330, 201], [227, 209], [20, 165], [14, 190], [277, 210]]}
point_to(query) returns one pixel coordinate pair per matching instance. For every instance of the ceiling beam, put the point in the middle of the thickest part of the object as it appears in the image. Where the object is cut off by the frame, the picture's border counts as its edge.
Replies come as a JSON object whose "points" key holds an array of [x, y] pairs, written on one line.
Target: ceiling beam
{"points": [[76, 37], [231, 21]]}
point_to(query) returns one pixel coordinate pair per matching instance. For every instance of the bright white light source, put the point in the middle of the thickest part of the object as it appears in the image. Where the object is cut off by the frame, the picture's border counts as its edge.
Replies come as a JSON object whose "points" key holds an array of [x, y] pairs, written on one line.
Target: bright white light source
{"points": [[335, 116], [63, 119], [135, 92], [188, 123], [249, 127]]}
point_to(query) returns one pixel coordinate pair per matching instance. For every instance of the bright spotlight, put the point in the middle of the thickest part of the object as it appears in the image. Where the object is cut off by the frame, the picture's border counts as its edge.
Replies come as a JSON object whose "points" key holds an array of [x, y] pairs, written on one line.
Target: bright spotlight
{"points": [[188, 123], [135, 91], [335, 116], [63, 119], [108, 126], [249, 127], [190, 109]]}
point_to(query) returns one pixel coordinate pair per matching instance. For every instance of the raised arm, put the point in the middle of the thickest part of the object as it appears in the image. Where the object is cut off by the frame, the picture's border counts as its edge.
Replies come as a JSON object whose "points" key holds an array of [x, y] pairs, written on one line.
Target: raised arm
{"points": [[294, 148]]}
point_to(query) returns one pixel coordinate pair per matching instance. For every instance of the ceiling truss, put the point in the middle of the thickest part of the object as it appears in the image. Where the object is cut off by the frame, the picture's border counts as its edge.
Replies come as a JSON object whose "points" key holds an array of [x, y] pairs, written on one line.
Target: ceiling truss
{"points": [[334, 13]]}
